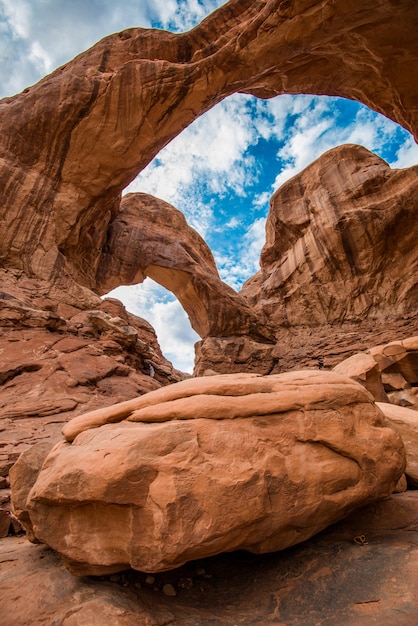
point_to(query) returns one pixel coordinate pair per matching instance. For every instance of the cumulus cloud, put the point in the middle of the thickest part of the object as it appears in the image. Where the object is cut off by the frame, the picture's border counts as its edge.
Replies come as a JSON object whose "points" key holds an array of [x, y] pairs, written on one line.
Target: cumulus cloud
{"points": [[313, 125], [207, 161], [161, 309], [407, 154]]}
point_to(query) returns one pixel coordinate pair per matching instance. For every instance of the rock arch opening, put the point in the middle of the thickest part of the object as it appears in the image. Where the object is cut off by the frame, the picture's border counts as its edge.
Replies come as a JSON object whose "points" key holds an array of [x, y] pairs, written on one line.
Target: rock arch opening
{"points": [[187, 268]]}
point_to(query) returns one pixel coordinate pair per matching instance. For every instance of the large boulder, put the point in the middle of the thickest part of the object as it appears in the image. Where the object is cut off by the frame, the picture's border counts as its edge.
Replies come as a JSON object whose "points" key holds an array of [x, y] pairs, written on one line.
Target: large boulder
{"points": [[211, 465]]}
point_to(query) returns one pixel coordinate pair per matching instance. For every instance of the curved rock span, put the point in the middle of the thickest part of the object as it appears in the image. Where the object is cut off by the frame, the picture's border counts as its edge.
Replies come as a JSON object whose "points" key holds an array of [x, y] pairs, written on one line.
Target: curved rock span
{"points": [[167, 482], [99, 120], [149, 237]]}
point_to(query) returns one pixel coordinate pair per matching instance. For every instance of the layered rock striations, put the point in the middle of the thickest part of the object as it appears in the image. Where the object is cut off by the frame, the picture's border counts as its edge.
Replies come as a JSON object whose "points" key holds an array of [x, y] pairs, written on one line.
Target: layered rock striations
{"points": [[338, 270], [59, 361], [340, 243], [161, 480], [97, 121]]}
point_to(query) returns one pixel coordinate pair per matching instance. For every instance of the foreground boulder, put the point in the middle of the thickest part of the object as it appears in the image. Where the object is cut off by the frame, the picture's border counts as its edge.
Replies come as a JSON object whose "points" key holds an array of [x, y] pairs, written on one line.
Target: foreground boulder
{"points": [[210, 465]]}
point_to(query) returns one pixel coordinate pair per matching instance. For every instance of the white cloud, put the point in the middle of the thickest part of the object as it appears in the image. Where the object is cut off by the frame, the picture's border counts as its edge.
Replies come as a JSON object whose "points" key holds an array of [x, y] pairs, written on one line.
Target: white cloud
{"points": [[182, 15], [161, 309], [235, 270], [40, 58], [208, 158], [19, 14], [232, 223], [315, 130], [407, 154]]}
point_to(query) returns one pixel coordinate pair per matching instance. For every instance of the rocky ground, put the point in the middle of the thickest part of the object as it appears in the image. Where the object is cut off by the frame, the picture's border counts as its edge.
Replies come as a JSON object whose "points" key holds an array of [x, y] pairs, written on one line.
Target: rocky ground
{"points": [[361, 571]]}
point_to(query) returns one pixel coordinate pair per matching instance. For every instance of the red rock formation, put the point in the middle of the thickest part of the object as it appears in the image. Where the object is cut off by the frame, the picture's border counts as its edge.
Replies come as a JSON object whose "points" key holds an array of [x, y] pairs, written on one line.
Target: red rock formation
{"points": [[338, 270], [405, 422], [58, 361], [93, 125], [304, 448], [389, 372], [149, 237], [96, 122], [340, 243]]}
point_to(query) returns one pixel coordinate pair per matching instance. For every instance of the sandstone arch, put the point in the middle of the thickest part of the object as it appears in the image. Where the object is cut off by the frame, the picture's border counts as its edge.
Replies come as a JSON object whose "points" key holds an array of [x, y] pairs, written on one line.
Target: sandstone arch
{"points": [[96, 122], [149, 237]]}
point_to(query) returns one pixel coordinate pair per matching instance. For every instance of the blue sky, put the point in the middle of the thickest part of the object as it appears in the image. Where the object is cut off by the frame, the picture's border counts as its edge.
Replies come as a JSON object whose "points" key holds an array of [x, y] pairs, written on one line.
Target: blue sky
{"points": [[222, 170]]}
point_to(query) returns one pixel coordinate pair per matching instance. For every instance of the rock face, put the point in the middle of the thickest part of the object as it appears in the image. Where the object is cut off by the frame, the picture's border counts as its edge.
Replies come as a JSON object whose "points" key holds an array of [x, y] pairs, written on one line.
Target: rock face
{"points": [[167, 484], [96, 122], [389, 372], [405, 422], [149, 237], [59, 361], [339, 265], [340, 243], [92, 130], [338, 268]]}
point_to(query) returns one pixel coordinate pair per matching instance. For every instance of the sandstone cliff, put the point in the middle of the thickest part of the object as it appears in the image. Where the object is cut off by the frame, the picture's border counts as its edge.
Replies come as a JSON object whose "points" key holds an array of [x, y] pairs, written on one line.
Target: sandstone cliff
{"points": [[96, 122]]}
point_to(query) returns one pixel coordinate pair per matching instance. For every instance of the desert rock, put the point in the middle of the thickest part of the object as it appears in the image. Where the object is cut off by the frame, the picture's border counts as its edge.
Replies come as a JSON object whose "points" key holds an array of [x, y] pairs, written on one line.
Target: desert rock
{"points": [[150, 237], [405, 422], [62, 189], [305, 449], [388, 371], [99, 120], [59, 361], [340, 252]]}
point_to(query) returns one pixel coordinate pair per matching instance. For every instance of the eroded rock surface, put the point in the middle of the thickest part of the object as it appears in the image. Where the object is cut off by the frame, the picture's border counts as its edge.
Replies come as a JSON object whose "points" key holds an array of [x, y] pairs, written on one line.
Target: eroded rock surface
{"points": [[339, 257], [59, 361], [405, 422], [389, 371], [99, 120], [359, 571], [340, 242], [149, 237], [166, 484]]}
